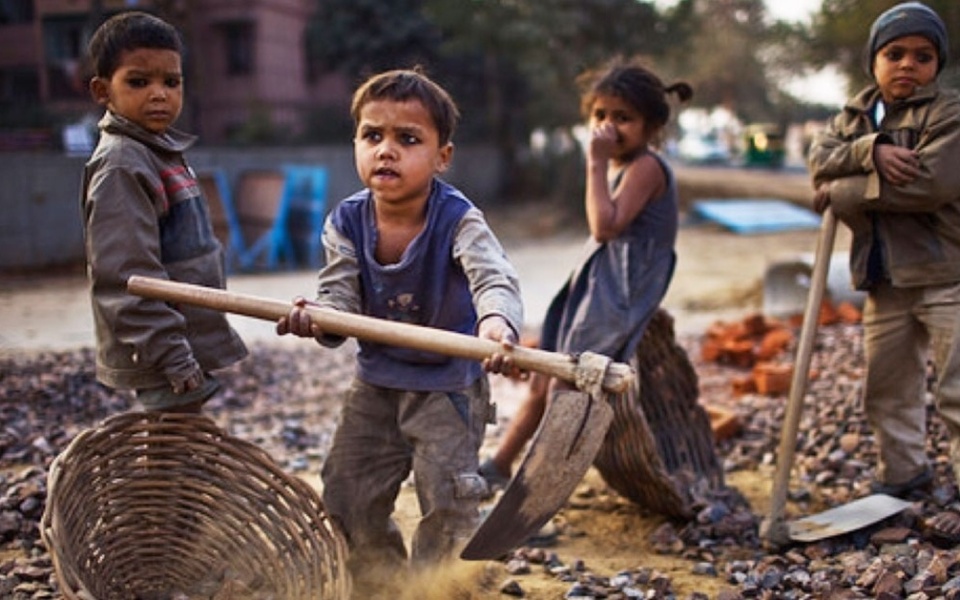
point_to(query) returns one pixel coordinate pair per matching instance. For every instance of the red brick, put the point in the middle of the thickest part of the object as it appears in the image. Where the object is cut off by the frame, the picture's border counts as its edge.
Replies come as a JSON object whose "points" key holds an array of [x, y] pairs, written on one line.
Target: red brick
{"points": [[772, 379], [754, 325], [774, 342], [743, 385], [710, 350], [723, 422], [738, 353], [848, 313], [828, 313]]}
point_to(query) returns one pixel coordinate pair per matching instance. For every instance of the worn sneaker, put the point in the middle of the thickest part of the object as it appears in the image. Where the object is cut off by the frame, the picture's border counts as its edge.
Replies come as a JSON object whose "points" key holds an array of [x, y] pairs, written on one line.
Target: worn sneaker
{"points": [[912, 489], [496, 480], [545, 537], [164, 399]]}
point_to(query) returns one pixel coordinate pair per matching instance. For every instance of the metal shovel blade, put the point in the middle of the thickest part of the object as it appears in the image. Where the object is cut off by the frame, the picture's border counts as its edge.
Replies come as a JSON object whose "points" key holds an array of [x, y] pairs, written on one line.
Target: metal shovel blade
{"points": [[568, 439], [846, 518]]}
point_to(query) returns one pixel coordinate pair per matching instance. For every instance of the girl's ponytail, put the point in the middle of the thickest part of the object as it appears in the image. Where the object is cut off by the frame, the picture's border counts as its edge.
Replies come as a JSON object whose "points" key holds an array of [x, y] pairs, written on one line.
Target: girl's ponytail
{"points": [[682, 90]]}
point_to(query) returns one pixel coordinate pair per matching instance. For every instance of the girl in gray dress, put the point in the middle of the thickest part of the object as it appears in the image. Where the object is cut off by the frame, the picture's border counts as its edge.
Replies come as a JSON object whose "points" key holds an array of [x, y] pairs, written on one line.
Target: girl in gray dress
{"points": [[628, 260]]}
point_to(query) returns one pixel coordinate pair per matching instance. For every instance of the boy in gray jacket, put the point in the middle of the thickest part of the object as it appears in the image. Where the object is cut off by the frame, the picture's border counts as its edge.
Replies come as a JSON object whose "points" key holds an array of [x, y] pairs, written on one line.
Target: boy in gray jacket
{"points": [[144, 214], [887, 165]]}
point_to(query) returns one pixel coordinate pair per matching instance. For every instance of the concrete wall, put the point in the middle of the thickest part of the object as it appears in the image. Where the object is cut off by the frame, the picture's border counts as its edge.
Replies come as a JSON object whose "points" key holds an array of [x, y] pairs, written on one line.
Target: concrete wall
{"points": [[39, 193]]}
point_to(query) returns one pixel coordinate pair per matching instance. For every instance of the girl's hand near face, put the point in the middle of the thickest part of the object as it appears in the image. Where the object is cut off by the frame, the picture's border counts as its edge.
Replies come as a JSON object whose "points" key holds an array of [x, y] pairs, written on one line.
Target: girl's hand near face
{"points": [[603, 142]]}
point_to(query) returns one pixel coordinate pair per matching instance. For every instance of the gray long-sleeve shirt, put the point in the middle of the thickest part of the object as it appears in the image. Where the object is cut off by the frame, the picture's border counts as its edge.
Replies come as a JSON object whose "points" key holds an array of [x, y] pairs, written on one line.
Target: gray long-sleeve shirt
{"points": [[474, 249]]}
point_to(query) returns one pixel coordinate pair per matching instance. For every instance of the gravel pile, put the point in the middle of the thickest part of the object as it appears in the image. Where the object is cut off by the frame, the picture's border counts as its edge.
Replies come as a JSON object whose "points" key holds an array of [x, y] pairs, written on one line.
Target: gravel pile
{"points": [[286, 401]]}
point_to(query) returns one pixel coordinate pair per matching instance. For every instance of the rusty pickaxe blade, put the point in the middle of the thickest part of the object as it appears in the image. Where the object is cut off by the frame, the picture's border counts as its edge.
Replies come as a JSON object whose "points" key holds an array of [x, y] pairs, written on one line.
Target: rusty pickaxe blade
{"points": [[568, 439]]}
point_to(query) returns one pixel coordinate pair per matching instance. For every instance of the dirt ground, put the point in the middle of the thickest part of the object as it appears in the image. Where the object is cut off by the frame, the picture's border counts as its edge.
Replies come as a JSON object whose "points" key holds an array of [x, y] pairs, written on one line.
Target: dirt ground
{"points": [[606, 541], [719, 277]]}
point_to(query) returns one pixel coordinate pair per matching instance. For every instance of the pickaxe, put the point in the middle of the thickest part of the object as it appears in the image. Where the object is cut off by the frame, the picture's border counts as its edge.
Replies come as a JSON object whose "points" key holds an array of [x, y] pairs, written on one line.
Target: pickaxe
{"points": [[570, 433]]}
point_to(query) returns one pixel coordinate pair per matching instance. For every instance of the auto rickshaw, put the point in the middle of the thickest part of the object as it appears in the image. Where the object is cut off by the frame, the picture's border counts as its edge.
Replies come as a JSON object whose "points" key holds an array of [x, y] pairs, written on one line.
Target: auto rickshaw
{"points": [[764, 145]]}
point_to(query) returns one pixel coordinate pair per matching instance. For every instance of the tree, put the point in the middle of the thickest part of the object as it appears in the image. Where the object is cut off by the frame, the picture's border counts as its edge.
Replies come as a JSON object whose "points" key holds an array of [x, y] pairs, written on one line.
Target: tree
{"points": [[840, 30], [514, 63], [510, 64], [727, 60], [362, 37]]}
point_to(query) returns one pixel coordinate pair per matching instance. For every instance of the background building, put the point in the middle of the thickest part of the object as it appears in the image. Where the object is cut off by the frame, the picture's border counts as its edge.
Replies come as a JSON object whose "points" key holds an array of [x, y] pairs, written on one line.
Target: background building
{"points": [[247, 75]]}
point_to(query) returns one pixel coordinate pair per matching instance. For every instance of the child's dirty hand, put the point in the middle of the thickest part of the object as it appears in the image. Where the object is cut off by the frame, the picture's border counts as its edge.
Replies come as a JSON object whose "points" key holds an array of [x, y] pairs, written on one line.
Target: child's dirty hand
{"points": [[191, 382], [821, 198], [603, 142], [896, 165], [497, 329], [298, 321]]}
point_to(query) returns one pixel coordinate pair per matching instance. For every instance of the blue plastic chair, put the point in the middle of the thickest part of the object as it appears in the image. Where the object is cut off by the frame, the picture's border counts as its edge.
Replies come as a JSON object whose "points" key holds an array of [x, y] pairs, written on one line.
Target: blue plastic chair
{"points": [[305, 188], [223, 216], [263, 209]]}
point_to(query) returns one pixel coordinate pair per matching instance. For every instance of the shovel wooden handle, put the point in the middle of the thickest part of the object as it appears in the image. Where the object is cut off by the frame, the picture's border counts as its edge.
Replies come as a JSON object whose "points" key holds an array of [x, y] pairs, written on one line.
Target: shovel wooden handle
{"points": [[616, 379], [774, 528]]}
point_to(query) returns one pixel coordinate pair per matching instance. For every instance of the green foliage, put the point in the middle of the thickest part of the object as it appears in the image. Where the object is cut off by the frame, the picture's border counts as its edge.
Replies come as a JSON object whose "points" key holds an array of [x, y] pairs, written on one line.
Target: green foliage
{"points": [[538, 47], [361, 37], [512, 65], [723, 63]]}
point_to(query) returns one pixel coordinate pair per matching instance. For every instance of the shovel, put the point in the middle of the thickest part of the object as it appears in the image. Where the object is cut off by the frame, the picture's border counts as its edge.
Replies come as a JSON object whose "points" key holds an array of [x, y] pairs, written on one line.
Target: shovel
{"points": [[570, 433], [547, 475], [836, 521]]}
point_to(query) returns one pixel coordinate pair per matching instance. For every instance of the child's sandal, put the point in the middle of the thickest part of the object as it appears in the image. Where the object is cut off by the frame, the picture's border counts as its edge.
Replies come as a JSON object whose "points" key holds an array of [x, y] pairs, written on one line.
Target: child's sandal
{"points": [[943, 528]]}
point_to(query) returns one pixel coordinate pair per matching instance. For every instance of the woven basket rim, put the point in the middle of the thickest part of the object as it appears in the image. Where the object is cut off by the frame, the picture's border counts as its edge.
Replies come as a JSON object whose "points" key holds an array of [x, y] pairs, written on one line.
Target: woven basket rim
{"points": [[193, 506]]}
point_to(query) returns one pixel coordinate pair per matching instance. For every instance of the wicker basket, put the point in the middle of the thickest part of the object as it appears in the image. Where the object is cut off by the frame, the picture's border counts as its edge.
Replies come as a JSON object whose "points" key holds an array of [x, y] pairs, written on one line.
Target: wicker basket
{"points": [[153, 506], [659, 450]]}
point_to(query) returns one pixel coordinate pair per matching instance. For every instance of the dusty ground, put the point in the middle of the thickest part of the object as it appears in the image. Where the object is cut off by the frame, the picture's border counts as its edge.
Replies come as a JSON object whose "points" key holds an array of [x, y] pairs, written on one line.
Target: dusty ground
{"points": [[719, 277], [606, 541]]}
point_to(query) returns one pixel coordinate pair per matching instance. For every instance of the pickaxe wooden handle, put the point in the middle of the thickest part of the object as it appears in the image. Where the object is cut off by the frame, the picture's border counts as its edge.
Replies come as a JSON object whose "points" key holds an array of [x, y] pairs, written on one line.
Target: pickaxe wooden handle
{"points": [[616, 379]]}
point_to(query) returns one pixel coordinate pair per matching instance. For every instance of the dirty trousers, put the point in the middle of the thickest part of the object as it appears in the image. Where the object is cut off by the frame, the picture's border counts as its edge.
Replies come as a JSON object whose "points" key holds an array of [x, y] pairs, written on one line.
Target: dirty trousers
{"points": [[382, 435], [902, 328]]}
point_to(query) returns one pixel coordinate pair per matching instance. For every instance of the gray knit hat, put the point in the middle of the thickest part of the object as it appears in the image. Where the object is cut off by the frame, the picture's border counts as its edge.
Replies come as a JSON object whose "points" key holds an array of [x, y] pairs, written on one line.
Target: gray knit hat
{"points": [[908, 18]]}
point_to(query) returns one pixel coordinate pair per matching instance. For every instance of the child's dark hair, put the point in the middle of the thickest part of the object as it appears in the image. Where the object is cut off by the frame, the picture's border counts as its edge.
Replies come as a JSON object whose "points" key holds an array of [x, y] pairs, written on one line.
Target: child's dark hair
{"points": [[410, 84], [636, 85], [125, 32]]}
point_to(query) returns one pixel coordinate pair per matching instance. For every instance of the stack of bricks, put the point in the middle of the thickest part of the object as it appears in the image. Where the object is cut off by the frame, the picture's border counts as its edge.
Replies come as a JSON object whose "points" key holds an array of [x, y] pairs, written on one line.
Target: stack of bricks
{"points": [[757, 344]]}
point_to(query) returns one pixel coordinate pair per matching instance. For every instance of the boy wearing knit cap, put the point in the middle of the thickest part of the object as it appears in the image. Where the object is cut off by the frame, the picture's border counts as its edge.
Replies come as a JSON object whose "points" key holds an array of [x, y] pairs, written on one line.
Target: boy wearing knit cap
{"points": [[889, 167]]}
